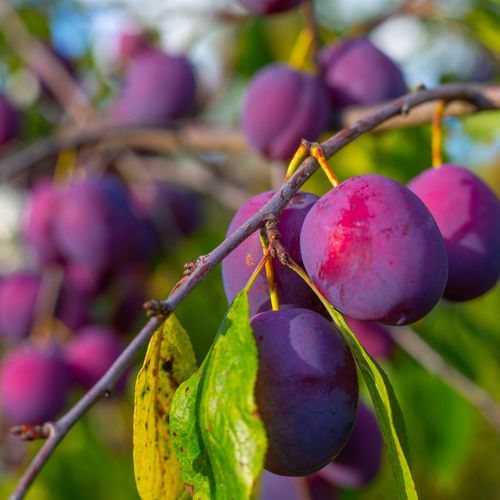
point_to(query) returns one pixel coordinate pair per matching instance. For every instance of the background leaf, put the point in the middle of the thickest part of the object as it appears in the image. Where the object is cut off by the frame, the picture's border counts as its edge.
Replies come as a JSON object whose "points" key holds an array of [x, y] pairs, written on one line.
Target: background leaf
{"points": [[169, 361], [218, 435]]}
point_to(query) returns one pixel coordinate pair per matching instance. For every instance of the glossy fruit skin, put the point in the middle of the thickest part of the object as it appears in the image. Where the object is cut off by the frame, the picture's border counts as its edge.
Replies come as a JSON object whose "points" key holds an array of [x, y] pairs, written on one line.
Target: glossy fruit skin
{"points": [[91, 353], [239, 265], [306, 390], [18, 298], [355, 72], [269, 6], [374, 251], [374, 337], [33, 386], [281, 107], [359, 461], [158, 88], [467, 213]]}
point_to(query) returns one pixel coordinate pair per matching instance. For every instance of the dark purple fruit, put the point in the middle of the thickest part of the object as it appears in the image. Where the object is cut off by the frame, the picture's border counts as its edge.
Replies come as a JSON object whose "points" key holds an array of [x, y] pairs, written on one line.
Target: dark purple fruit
{"points": [[91, 353], [360, 460], [374, 251], [33, 386], [269, 6], [467, 213], [306, 390], [374, 337], [239, 265], [9, 121], [42, 205], [355, 72], [158, 88], [281, 107], [19, 293]]}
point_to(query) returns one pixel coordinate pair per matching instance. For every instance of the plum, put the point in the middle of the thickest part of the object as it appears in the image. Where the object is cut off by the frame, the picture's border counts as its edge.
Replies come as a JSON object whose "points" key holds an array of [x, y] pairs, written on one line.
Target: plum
{"points": [[374, 251], [158, 88], [18, 299], [269, 6], [38, 231], [34, 385], [467, 213], [359, 461], [374, 337], [355, 72], [306, 389], [91, 353], [281, 107], [239, 265]]}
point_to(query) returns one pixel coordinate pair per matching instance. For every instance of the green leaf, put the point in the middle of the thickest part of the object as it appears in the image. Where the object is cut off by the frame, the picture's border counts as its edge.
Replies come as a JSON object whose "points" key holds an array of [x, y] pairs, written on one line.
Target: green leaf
{"points": [[386, 407], [169, 361], [218, 436]]}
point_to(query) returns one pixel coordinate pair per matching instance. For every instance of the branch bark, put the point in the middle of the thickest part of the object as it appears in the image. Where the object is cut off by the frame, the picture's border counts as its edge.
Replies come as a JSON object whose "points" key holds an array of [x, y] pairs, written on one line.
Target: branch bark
{"points": [[197, 137], [208, 262], [470, 99]]}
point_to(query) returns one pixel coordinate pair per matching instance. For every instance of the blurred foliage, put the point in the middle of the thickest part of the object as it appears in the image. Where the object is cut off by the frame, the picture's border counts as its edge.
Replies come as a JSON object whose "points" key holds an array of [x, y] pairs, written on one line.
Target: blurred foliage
{"points": [[455, 454]]}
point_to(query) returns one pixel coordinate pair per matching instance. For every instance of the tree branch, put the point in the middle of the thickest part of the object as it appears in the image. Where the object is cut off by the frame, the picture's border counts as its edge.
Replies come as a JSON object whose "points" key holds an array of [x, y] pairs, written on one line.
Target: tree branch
{"points": [[423, 114], [471, 99], [198, 137], [208, 262]]}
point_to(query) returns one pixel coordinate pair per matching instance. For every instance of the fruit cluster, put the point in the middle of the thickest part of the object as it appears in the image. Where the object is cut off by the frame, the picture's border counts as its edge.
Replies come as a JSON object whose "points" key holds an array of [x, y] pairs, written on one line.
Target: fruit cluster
{"points": [[283, 105], [380, 252], [95, 241]]}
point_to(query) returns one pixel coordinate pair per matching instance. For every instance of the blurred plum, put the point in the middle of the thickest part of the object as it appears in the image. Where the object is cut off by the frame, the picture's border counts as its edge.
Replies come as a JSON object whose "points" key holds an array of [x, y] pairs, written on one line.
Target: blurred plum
{"points": [[281, 107], [19, 293], [91, 353], [158, 88], [34, 386], [356, 72], [9, 121]]}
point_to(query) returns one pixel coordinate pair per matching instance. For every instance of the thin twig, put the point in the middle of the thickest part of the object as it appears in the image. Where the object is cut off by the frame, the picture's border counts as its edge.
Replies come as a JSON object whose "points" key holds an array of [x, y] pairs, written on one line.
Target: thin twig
{"points": [[198, 137], [205, 138], [312, 25], [277, 203], [424, 113], [418, 349]]}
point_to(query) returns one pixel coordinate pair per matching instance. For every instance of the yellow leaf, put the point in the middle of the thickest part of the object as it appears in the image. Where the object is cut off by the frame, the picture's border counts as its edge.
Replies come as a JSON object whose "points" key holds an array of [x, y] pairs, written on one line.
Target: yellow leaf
{"points": [[169, 361]]}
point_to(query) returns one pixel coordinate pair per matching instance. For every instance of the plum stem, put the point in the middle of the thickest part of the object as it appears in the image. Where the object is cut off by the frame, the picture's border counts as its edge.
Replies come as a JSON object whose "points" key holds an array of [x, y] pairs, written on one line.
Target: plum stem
{"points": [[301, 49], [319, 155], [437, 134], [271, 280], [300, 155], [295, 267], [312, 25], [315, 150], [258, 269], [65, 166]]}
